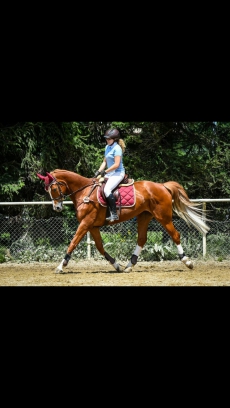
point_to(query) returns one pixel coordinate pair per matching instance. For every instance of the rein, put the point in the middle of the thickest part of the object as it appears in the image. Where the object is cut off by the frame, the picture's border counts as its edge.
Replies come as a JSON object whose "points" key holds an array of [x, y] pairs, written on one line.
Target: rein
{"points": [[63, 196]]}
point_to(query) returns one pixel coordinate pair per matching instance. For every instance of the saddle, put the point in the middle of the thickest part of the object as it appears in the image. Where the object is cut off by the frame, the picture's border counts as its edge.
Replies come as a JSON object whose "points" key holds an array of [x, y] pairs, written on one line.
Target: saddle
{"points": [[126, 182]]}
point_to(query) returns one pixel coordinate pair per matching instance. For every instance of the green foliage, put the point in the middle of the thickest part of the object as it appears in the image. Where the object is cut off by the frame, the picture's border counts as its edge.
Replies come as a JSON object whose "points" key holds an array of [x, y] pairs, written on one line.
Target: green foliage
{"points": [[216, 243], [4, 238], [24, 244], [121, 246], [10, 188], [43, 242], [118, 244], [3, 252], [69, 211], [24, 251]]}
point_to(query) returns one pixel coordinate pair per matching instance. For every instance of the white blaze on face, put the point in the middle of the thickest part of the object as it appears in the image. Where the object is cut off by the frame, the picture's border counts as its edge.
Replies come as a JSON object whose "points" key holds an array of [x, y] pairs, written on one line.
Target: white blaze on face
{"points": [[57, 205]]}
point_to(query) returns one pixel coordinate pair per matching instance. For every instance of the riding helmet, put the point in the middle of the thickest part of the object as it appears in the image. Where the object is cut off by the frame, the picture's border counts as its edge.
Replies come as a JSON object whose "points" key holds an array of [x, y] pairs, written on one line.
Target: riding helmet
{"points": [[112, 134]]}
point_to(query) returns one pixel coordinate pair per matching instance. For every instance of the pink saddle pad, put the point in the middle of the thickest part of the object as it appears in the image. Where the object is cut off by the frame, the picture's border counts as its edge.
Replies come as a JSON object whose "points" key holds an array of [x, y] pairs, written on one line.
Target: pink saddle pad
{"points": [[128, 198]]}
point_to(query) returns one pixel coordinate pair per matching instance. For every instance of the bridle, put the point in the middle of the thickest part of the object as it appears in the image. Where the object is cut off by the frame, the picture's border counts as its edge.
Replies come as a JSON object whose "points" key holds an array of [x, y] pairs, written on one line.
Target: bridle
{"points": [[62, 196]]}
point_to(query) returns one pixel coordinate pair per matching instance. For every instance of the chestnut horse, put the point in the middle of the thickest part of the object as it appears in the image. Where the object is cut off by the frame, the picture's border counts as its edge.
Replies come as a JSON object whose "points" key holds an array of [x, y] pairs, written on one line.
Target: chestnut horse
{"points": [[152, 200]]}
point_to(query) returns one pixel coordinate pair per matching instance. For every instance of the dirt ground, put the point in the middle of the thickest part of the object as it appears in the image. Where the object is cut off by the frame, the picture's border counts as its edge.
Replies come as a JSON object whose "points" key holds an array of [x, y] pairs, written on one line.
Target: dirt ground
{"points": [[101, 273]]}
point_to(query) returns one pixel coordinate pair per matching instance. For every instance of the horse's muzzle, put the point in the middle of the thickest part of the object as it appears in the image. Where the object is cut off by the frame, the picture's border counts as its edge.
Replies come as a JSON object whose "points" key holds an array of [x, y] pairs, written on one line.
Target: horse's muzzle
{"points": [[58, 207]]}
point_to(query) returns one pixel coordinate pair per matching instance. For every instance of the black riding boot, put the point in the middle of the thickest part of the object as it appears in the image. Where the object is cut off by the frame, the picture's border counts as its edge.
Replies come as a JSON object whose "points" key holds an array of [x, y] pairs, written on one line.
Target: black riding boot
{"points": [[113, 212]]}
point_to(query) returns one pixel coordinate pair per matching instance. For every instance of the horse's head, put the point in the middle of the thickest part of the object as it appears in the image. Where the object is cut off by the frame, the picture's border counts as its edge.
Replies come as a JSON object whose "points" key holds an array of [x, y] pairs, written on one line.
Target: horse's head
{"points": [[56, 190]]}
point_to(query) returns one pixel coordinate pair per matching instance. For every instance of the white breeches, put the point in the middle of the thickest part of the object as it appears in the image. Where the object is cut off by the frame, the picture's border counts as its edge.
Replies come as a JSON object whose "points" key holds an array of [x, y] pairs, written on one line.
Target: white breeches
{"points": [[112, 182]]}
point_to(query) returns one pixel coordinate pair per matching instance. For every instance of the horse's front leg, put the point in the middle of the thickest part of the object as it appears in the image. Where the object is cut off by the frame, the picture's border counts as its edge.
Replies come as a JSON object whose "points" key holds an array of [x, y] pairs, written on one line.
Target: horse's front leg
{"points": [[95, 232], [80, 233]]}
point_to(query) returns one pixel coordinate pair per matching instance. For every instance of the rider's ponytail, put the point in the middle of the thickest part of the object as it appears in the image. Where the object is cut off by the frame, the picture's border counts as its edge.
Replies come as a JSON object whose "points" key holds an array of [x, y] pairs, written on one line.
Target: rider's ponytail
{"points": [[122, 144]]}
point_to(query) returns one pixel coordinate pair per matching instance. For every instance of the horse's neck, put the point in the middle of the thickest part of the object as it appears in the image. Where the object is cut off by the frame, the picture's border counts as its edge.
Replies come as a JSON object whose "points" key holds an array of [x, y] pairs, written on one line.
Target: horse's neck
{"points": [[73, 180]]}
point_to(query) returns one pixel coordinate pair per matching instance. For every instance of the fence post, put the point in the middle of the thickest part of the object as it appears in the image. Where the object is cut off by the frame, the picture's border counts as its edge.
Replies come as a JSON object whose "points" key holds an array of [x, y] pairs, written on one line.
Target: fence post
{"points": [[88, 245], [204, 235]]}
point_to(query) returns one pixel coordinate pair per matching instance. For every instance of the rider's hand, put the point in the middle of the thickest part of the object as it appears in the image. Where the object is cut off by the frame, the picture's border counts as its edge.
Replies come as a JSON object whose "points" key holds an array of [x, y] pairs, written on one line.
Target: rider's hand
{"points": [[97, 173], [102, 173]]}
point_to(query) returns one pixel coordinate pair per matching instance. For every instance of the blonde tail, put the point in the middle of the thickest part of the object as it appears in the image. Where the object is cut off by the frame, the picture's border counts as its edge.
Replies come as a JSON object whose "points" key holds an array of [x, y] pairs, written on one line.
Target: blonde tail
{"points": [[186, 209]]}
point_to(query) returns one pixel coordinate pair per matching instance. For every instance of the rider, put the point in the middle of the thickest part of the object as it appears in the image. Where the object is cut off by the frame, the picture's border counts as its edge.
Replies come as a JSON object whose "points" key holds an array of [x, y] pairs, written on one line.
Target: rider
{"points": [[115, 170]]}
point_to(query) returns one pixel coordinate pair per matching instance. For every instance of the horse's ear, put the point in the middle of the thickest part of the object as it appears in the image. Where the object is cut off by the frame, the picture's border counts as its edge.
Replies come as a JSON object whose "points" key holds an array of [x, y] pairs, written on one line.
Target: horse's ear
{"points": [[41, 177], [51, 178]]}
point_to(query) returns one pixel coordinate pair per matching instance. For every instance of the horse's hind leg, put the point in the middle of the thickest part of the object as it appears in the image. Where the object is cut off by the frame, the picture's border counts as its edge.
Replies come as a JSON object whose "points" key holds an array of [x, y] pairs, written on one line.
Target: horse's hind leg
{"points": [[175, 235], [143, 220], [95, 232]]}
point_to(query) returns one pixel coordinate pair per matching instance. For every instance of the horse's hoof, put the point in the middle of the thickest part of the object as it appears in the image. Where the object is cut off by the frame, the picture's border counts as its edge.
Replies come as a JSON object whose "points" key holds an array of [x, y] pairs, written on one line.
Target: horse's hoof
{"points": [[117, 267], [59, 270], [128, 269], [187, 262]]}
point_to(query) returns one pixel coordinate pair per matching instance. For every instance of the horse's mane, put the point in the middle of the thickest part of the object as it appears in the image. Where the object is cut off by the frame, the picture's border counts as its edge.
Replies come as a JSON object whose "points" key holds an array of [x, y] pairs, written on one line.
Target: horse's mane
{"points": [[62, 170], [76, 175]]}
